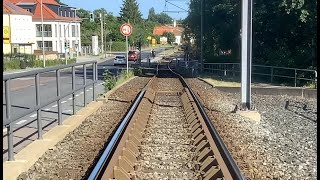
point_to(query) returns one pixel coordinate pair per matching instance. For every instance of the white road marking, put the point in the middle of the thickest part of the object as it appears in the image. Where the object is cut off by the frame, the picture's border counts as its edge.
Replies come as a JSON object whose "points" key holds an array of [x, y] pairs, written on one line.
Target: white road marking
{"points": [[55, 105], [81, 93], [63, 102], [90, 88], [33, 115], [71, 98], [22, 121], [77, 95], [47, 109], [87, 90]]}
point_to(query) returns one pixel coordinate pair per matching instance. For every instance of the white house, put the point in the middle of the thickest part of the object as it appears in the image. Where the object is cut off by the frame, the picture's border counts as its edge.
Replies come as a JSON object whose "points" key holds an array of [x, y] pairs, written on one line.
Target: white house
{"points": [[176, 30], [18, 30], [60, 25]]}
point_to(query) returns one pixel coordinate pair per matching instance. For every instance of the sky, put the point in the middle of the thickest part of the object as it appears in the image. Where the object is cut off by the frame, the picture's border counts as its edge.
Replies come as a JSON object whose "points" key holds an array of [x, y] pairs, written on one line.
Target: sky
{"points": [[144, 5]]}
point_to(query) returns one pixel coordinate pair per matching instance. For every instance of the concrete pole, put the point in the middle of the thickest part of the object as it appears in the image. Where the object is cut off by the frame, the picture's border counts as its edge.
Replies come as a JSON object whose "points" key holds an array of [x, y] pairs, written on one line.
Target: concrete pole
{"points": [[246, 53], [43, 54], [101, 21], [201, 36]]}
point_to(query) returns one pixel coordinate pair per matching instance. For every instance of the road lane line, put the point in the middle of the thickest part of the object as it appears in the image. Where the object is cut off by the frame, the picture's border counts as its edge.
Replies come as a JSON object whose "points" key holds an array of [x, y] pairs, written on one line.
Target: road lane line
{"points": [[87, 90], [22, 121], [90, 88], [77, 95], [63, 102], [81, 93], [47, 109], [33, 115], [71, 98], [54, 105]]}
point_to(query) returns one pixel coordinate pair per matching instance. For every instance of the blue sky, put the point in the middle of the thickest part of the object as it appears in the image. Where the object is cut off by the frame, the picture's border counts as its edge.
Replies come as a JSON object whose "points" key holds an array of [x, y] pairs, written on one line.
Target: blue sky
{"points": [[144, 5]]}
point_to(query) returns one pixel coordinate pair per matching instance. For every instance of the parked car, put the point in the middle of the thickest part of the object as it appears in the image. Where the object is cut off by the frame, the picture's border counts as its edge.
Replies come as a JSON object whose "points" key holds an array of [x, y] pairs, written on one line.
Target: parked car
{"points": [[119, 60], [133, 55]]}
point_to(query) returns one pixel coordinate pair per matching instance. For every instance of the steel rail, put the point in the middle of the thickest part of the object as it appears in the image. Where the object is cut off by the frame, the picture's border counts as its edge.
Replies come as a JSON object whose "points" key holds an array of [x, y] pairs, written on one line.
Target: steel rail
{"points": [[104, 159], [228, 159]]}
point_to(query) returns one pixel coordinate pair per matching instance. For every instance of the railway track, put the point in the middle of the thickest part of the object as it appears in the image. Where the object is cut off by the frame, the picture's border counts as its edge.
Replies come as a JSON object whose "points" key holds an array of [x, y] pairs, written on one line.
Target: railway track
{"points": [[166, 135]]}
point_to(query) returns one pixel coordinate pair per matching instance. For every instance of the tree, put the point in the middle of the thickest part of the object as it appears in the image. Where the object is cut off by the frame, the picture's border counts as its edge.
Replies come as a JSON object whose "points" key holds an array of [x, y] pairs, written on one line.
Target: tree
{"points": [[171, 38], [152, 15], [130, 11]]}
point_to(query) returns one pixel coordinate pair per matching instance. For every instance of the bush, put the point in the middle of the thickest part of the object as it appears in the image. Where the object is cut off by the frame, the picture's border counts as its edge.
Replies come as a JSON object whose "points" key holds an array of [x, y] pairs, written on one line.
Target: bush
{"points": [[137, 71], [118, 46], [109, 80], [31, 62]]}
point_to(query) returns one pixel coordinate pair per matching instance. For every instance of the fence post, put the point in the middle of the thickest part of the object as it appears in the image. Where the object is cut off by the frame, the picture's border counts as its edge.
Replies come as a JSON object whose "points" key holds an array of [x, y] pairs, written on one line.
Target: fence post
{"points": [[39, 122], [73, 88], [271, 80], [233, 74], [295, 78], [84, 83], [315, 79], [59, 100], [8, 116], [93, 78], [225, 70]]}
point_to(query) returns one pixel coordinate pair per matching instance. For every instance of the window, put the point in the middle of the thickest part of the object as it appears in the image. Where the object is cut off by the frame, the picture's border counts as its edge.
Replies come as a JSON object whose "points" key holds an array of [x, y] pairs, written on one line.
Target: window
{"points": [[77, 31], [59, 30], [56, 30], [47, 45], [29, 10], [47, 30], [73, 28]]}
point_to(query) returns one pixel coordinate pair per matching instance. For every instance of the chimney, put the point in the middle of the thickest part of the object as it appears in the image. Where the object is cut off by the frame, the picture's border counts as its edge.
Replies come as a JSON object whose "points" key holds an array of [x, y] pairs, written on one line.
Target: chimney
{"points": [[174, 23]]}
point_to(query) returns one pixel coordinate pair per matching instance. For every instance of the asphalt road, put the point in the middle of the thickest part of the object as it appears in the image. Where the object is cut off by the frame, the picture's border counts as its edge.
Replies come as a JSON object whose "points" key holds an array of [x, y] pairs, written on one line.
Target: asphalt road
{"points": [[23, 98]]}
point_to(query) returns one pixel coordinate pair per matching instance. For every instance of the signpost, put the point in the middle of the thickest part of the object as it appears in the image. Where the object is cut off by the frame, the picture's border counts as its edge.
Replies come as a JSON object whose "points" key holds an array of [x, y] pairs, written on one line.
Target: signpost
{"points": [[126, 30]]}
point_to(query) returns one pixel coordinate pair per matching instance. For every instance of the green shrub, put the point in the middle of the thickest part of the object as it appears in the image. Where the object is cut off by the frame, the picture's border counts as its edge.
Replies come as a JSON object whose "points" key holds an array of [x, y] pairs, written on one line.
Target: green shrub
{"points": [[137, 71], [118, 46], [109, 80]]}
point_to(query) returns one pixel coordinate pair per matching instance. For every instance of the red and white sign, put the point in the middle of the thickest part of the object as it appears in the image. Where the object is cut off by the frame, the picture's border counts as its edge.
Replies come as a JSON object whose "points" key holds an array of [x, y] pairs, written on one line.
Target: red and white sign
{"points": [[126, 29]]}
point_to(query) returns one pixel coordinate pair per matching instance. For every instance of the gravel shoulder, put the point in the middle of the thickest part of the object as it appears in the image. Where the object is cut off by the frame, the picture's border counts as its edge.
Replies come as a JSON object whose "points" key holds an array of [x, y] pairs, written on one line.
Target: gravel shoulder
{"points": [[282, 146], [75, 154]]}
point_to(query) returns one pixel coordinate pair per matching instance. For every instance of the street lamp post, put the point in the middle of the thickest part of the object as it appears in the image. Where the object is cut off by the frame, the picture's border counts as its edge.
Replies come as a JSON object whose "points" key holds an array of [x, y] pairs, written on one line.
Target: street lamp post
{"points": [[43, 54]]}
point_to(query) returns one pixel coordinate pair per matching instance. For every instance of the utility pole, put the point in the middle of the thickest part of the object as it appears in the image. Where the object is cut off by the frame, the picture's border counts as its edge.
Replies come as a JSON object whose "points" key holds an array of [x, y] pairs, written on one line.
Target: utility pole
{"points": [[201, 36], [42, 32], [246, 54], [101, 21]]}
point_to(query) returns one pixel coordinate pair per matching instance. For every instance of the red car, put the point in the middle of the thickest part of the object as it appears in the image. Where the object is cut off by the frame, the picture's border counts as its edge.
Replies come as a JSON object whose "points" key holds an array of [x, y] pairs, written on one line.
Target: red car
{"points": [[133, 55]]}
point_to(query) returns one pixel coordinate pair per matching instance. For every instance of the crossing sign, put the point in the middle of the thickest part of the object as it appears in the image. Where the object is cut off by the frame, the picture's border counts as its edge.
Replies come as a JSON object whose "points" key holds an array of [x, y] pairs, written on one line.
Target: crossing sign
{"points": [[126, 29]]}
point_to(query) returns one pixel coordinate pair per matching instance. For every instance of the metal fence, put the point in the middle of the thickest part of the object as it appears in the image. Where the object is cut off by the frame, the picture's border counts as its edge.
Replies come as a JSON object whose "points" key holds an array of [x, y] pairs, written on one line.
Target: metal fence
{"points": [[268, 74], [8, 122]]}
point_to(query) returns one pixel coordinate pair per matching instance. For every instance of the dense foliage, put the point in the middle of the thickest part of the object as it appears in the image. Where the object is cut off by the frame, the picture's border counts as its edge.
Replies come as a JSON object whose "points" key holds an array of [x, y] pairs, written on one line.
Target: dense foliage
{"points": [[142, 28], [284, 31]]}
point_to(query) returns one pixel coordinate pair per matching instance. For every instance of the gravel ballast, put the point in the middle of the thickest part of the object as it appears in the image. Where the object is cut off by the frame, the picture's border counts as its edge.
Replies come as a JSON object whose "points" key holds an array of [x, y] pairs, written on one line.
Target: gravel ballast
{"points": [[282, 146], [71, 157]]}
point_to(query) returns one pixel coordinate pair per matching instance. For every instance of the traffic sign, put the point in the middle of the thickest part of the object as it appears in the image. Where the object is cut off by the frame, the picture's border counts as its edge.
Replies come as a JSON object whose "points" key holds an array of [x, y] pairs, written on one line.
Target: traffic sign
{"points": [[126, 29]]}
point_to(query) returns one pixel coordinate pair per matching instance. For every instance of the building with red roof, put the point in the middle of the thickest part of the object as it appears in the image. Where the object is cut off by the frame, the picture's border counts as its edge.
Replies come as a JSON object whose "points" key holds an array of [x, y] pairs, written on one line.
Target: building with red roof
{"points": [[61, 26], [177, 31]]}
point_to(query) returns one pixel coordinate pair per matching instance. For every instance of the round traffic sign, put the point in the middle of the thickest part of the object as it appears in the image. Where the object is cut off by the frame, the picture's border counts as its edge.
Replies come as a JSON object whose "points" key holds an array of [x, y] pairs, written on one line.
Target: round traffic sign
{"points": [[126, 29]]}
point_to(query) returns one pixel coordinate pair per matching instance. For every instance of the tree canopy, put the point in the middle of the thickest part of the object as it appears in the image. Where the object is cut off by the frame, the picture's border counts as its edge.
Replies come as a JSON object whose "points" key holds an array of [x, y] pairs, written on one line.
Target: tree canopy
{"points": [[130, 11], [284, 32]]}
